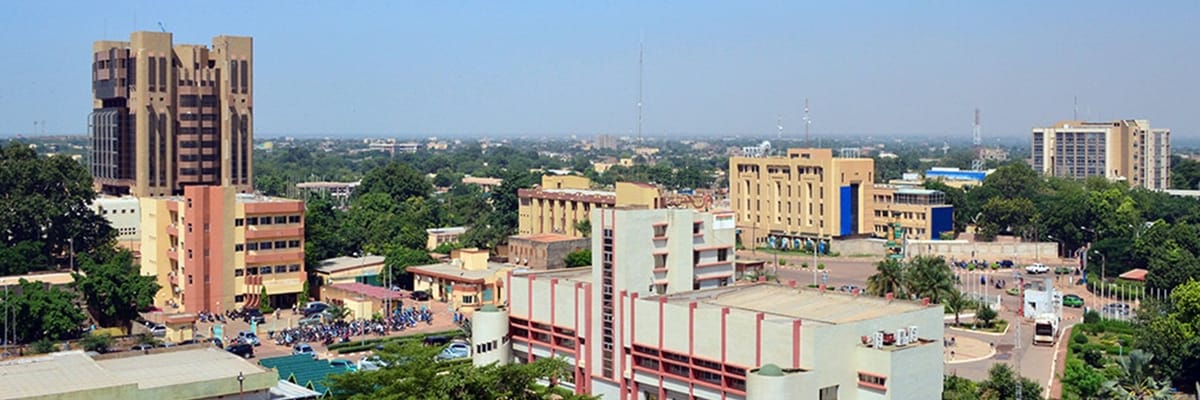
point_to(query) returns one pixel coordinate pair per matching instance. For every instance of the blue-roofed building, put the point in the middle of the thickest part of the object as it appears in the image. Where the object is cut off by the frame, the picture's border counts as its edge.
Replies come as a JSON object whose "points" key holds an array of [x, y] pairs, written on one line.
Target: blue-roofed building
{"points": [[955, 174]]}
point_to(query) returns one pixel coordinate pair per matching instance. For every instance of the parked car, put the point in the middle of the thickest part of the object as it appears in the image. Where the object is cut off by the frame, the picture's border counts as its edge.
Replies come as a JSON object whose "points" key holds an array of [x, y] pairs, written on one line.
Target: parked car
{"points": [[315, 319], [158, 330], [848, 288], [248, 338], [1006, 263], [1038, 268], [338, 363], [315, 307], [254, 315], [1013, 291], [420, 295], [1072, 300], [454, 351], [242, 349], [141, 347], [371, 363], [166, 344], [304, 348]]}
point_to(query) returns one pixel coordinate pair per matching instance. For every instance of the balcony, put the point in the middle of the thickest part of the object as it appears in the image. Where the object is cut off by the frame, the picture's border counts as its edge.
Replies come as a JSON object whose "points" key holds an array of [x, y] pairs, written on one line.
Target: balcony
{"points": [[275, 233], [275, 256], [173, 254], [173, 230]]}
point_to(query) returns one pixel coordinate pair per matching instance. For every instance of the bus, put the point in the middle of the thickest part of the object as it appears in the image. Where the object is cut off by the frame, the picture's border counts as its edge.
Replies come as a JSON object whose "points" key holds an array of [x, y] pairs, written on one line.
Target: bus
{"points": [[1045, 330]]}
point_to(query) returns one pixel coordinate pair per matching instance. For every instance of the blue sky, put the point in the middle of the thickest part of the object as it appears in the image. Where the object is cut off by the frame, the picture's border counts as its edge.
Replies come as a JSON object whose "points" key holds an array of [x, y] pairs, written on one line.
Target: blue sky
{"points": [[555, 68]]}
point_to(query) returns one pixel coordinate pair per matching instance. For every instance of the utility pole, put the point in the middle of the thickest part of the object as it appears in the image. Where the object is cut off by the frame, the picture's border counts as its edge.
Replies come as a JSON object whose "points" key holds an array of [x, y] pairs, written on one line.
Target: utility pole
{"points": [[807, 122], [641, 58]]}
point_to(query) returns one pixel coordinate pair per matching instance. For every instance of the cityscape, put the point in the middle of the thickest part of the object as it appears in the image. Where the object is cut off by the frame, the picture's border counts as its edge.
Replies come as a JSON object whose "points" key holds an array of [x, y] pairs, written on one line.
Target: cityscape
{"points": [[615, 208]]}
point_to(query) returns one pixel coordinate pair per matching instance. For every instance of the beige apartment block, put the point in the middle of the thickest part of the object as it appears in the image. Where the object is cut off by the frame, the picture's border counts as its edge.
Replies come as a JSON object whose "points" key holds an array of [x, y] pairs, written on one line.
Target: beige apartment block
{"points": [[213, 249], [165, 115], [1128, 150]]}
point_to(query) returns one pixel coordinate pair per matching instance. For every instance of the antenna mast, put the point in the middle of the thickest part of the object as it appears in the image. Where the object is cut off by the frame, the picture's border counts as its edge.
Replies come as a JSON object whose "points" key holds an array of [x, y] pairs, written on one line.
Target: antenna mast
{"points": [[641, 56], [779, 123], [807, 122], [1075, 109], [977, 141]]}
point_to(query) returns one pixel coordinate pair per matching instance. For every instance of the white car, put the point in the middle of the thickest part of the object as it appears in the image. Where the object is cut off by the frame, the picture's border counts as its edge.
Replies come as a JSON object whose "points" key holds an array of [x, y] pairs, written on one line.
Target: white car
{"points": [[371, 363], [1037, 268]]}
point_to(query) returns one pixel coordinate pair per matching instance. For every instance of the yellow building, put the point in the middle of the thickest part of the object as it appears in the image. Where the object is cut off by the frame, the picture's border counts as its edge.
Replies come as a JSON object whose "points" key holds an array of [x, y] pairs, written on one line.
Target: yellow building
{"points": [[783, 201], [213, 249], [922, 213], [469, 281], [563, 200]]}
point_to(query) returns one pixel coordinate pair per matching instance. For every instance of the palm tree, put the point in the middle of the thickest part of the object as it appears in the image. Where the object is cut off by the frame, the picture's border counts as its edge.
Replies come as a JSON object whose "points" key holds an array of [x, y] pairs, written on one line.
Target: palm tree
{"points": [[888, 278], [1135, 381], [929, 277], [956, 301], [337, 313], [584, 227]]}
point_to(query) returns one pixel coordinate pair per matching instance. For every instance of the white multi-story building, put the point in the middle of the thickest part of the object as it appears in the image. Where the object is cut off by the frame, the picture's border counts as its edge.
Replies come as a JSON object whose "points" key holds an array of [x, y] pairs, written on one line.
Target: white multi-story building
{"points": [[124, 214], [658, 317], [1119, 150]]}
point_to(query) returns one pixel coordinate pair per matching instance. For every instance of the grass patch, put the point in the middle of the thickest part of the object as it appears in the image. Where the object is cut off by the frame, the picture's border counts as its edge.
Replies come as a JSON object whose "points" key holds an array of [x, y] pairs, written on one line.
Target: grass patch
{"points": [[998, 326]]}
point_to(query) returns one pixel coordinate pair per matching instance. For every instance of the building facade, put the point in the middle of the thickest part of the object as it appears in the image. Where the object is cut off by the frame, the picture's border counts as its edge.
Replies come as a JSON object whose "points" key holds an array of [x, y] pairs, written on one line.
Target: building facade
{"points": [[213, 249], [806, 194], [544, 251], [657, 317], [166, 116], [469, 281], [922, 214], [562, 201], [436, 237], [124, 214], [1128, 150]]}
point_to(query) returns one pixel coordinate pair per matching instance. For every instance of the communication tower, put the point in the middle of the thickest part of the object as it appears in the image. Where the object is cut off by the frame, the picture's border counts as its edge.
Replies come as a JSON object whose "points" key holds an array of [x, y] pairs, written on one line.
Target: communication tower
{"points": [[977, 142]]}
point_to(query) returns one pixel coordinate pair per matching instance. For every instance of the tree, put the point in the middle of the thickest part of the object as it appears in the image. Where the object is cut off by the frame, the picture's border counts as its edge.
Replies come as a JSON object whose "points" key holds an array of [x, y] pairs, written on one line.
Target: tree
{"points": [[114, 289], [99, 343], [579, 258], [397, 180], [959, 388], [264, 305], [323, 238], [985, 314], [1081, 381], [421, 377], [44, 207], [888, 278], [1000, 215], [1136, 380], [956, 301], [1002, 384], [1170, 266], [398, 259], [928, 277], [1014, 181], [42, 312], [337, 312], [584, 227]]}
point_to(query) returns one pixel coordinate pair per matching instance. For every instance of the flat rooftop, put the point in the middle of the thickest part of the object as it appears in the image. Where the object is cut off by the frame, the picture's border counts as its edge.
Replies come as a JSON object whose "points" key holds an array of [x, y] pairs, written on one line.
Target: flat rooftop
{"points": [[453, 271], [338, 264], [831, 307], [179, 367], [51, 278], [547, 237], [578, 274]]}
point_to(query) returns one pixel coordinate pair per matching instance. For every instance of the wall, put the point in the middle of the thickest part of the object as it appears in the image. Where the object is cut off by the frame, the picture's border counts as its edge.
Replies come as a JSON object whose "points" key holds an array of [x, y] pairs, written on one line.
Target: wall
{"points": [[991, 251]]}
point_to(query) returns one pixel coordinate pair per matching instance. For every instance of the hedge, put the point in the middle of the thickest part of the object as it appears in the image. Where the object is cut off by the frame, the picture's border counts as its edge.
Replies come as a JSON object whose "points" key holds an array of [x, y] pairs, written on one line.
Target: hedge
{"points": [[361, 345]]}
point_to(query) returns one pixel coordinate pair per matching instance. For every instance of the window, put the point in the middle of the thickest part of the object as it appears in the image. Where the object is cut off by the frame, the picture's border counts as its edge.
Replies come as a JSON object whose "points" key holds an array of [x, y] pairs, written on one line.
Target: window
{"points": [[293, 244], [294, 268], [722, 254], [279, 269], [829, 393], [252, 221], [872, 381], [238, 272], [189, 279], [251, 270], [280, 244], [238, 298], [293, 219], [264, 246], [252, 246], [189, 227], [468, 299], [281, 219], [239, 247], [189, 253], [265, 270], [239, 222], [264, 221]]}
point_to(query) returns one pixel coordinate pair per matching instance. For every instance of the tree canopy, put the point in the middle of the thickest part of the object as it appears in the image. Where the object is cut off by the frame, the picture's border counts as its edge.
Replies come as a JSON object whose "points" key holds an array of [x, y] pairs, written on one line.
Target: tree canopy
{"points": [[43, 312], [113, 289]]}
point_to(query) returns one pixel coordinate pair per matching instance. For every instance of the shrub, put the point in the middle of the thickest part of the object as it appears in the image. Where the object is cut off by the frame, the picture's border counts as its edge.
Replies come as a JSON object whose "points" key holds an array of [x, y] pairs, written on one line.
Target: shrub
{"points": [[1091, 317], [1080, 338], [821, 266], [986, 315], [1076, 348], [99, 343], [804, 265], [45, 345], [1094, 358], [782, 262]]}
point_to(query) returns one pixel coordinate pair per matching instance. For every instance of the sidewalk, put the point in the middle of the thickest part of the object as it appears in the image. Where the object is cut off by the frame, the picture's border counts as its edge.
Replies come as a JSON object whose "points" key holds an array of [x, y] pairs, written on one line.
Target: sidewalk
{"points": [[967, 349]]}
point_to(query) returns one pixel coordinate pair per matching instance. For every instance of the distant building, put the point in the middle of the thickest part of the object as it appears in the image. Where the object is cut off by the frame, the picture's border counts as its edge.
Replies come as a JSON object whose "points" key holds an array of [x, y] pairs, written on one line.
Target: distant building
{"points": [[545, 250], [468, 281], [362, 300], [645, 151], [391, 146], [439, 236], [165, 115], [213, 249], [339, 191], [1128, 150], [349, 270], [809, 196], [562, 201], [124, 214], [606, 142], [993, 154], [487, 184], [601, 166]]}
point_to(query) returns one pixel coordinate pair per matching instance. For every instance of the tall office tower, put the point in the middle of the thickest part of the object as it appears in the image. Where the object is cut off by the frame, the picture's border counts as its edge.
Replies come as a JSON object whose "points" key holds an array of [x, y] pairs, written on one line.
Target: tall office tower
{"points": [[1119, 150], [167, 116]]}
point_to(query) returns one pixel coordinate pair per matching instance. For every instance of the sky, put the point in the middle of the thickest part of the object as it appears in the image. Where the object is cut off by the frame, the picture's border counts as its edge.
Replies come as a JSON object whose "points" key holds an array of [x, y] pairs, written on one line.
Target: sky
{"points": [[399, 68]]}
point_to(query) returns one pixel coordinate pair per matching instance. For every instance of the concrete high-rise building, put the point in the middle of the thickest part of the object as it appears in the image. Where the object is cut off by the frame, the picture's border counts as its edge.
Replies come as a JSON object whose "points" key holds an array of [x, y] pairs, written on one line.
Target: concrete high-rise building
{"points": [[213, 249], [167, 116], [1128, 150]]}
